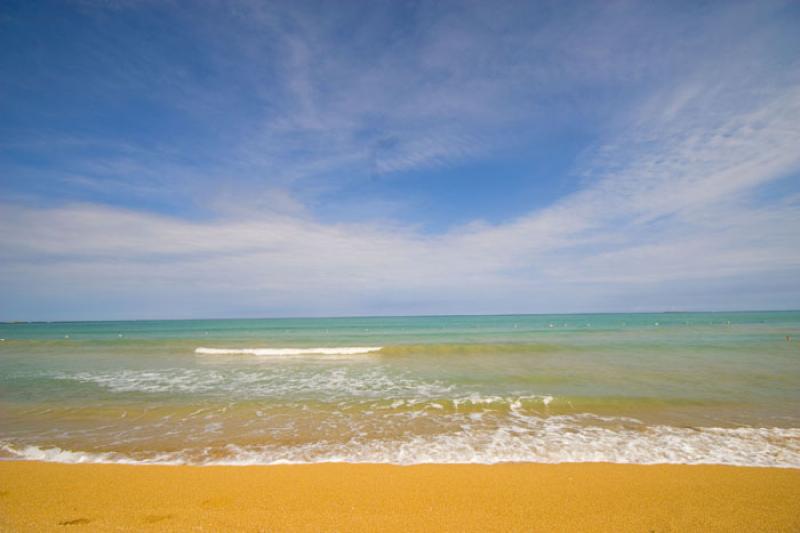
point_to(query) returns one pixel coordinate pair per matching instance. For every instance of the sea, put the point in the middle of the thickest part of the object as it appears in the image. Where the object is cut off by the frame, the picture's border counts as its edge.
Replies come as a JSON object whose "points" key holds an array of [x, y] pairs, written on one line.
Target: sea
{"points": [[688, 388]]}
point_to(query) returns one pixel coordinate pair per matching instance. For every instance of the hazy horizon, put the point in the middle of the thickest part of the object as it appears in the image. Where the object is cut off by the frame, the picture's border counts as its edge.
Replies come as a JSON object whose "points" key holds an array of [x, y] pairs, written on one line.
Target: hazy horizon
{"points": [[321, 317]]}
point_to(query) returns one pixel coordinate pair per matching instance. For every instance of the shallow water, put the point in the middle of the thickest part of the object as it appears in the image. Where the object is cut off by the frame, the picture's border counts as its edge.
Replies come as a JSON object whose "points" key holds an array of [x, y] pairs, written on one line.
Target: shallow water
{"points": [[641, 388]]}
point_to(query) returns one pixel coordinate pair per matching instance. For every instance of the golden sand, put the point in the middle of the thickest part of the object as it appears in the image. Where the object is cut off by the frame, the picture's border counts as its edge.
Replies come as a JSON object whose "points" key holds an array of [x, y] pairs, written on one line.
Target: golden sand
{"points": [[331, 497]]}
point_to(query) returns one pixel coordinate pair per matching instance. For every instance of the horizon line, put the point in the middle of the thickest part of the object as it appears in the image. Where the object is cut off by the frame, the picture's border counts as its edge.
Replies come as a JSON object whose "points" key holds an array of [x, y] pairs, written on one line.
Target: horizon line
{"points": [[343, 317]]}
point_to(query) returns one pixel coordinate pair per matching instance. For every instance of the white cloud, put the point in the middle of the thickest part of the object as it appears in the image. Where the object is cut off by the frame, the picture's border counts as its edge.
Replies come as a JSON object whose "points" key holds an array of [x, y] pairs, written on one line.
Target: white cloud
{"points": [[678, 208], [675, 207]]}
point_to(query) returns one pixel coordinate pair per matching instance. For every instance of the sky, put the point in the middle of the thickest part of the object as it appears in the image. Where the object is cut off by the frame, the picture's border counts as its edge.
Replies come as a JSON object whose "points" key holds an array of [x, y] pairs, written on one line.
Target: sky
{"points": [[188, 159]]}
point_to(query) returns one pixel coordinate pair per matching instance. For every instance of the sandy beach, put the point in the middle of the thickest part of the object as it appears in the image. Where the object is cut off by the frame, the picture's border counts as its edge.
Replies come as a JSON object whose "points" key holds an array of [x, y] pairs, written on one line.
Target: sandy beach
{"points": [[337, 497]]}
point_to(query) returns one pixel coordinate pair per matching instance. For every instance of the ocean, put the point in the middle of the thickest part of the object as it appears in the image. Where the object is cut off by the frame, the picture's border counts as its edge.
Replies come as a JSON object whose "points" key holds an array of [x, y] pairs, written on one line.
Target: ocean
{"points": [[719, 388]]}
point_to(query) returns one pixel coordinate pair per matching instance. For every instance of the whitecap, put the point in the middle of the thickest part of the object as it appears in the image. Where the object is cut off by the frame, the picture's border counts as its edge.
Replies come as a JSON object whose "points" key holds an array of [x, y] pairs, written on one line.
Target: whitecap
{"points": [[547, 440], [288, 352]]}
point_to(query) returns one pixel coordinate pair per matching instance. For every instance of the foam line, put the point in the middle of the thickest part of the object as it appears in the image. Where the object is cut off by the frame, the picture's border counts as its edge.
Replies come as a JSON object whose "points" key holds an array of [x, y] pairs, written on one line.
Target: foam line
{"points": [[278, 352]]}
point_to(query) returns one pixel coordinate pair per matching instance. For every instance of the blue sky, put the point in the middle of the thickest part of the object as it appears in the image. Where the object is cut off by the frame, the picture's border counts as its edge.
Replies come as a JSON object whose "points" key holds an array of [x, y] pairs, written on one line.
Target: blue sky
{"points": [[167, 159]]}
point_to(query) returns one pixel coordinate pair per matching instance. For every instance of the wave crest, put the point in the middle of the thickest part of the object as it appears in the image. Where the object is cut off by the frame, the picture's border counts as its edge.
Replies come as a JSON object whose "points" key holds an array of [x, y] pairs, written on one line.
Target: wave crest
{"points": [[332, 351], [765, 447]]}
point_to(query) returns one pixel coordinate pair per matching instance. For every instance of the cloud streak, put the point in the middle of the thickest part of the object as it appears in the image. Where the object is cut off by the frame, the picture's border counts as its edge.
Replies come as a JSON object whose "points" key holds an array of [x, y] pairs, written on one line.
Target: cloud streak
{"points": [[687, 196]]}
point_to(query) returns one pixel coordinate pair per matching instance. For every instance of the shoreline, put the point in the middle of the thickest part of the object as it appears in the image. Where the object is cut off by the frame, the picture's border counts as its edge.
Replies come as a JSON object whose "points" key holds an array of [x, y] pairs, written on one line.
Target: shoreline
{"points": [[42, 496]]}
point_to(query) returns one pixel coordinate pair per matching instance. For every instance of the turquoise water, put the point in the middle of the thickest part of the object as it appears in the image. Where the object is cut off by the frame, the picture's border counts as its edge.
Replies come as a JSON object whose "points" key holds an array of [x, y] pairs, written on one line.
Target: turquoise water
{"points": [[642, 388]]}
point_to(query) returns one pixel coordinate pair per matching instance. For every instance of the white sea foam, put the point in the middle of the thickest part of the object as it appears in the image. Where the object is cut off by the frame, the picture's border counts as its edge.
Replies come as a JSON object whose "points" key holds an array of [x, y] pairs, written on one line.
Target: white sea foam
{"points": [[370, 414], [274, 381], [289, 352], [57, 455], [556, 441]]}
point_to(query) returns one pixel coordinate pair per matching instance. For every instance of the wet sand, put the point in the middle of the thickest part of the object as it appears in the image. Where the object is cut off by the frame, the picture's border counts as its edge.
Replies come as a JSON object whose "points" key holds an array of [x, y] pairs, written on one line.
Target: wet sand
{"points": [[337, 497]]}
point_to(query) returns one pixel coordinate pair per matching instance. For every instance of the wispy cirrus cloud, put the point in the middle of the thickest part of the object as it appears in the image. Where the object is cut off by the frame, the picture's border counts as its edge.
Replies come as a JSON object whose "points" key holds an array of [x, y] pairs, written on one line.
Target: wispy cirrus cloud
{"points": [[679, 211], [685, 189]]}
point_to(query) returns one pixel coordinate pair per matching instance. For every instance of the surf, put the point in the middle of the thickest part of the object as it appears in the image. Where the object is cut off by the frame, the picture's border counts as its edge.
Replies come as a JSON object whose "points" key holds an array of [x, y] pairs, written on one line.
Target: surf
{"points": [[288, 352]]}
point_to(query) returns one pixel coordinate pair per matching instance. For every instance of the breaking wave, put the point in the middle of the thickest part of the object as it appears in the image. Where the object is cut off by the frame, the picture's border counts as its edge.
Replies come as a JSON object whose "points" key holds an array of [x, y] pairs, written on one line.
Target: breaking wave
{"points": [[556, 441], [334, 352]]}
